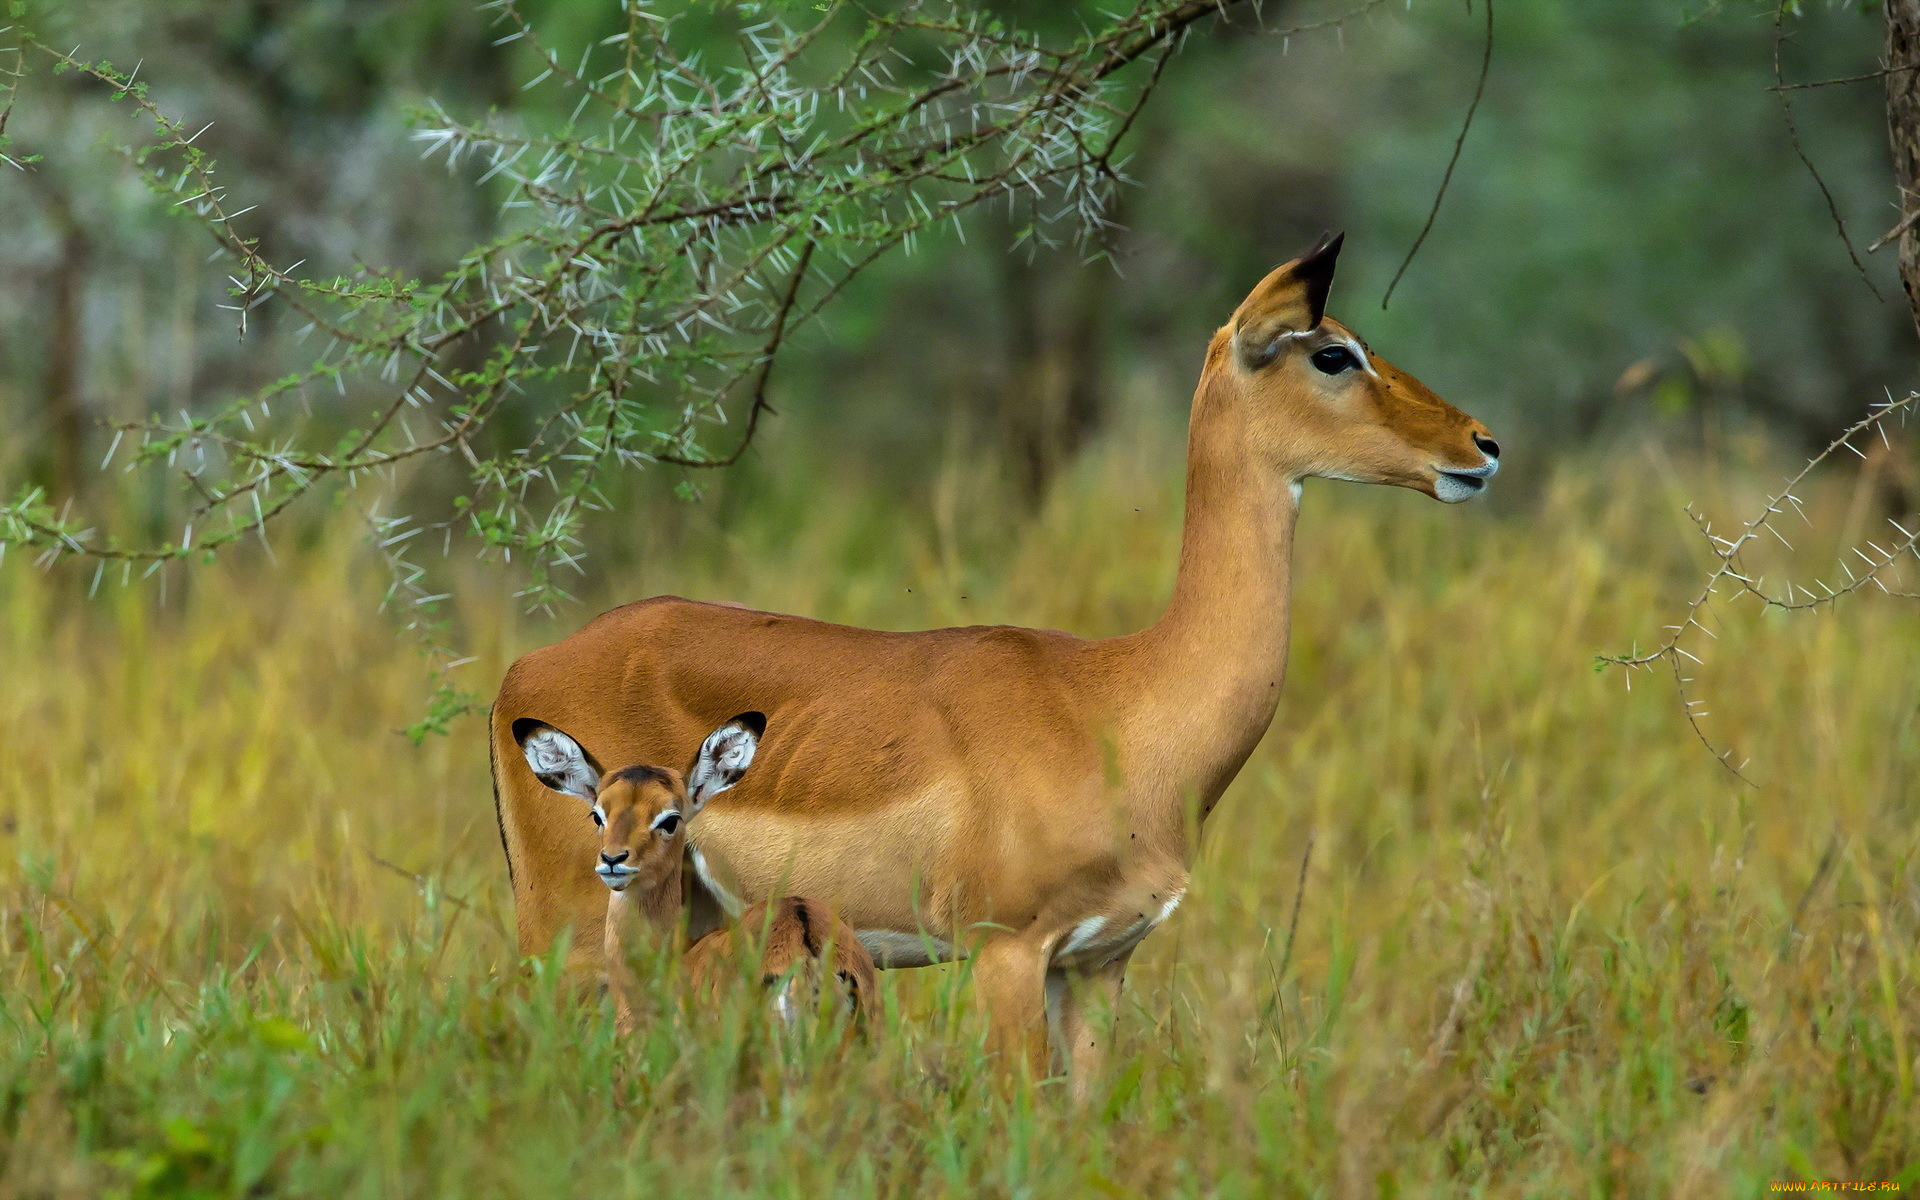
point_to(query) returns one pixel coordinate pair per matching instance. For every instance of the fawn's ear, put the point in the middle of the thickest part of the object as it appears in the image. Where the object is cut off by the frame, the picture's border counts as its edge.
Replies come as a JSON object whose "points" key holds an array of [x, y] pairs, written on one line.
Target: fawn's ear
{"points": [[557, 760], [1290, 300], [724, 757]]}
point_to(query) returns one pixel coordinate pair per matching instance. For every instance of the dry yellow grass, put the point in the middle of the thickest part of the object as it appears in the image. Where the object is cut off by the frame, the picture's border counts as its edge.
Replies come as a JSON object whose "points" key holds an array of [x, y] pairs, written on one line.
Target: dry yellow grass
{"points": [[1546, 946]]}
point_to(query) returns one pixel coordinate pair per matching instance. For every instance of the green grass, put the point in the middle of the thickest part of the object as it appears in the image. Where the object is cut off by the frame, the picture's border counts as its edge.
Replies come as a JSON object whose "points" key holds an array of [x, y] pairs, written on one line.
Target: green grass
{"points": [[254, 942]]}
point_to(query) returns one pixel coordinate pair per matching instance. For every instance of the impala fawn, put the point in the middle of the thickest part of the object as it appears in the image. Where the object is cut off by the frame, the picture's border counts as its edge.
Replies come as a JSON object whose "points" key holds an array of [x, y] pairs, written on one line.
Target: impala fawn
{"points": [[642, 812]]}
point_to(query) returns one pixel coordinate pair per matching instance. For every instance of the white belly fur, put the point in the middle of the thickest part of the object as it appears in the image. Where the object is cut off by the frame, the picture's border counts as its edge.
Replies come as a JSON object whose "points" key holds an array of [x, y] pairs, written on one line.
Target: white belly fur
{"points": [[1101, 939], [892, 948]]}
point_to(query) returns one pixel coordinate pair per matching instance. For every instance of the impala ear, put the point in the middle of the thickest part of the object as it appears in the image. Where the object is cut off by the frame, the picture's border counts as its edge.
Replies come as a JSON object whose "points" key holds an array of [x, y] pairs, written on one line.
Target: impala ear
{"points": [[724, 757], [1290, 300], [557, 760]]}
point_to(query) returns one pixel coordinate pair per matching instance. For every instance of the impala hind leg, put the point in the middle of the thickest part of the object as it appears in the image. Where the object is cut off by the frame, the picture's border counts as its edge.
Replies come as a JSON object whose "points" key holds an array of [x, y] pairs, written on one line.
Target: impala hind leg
{"points": [[1009, 974], [1082, 1007]]}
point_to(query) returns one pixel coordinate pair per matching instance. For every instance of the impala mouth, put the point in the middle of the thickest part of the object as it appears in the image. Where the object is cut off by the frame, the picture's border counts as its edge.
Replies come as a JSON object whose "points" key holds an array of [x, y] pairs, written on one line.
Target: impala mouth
{"points": [[1451, 485], [616, 878]]}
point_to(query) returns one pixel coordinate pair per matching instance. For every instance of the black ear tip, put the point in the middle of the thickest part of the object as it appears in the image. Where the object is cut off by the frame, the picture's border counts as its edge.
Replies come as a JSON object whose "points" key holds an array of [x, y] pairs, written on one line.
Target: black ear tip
{"points": [[1327, 248], [755, 721]]}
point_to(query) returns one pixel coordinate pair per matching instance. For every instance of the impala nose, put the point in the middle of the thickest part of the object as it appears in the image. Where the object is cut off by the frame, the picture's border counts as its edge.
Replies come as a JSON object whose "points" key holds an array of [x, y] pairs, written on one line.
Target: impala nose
{"points": [[1487, 446], [614, 860]]}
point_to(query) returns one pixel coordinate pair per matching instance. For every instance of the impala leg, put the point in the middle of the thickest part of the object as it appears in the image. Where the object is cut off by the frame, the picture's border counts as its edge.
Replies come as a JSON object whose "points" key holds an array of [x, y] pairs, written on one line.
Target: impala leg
{"points": [[1082, 1007], [1010, 977]]}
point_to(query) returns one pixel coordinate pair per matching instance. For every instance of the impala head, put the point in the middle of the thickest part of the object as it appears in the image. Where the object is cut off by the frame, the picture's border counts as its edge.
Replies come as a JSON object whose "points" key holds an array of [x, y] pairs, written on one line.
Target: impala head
{"points": [[642, 811], [1320, 403]]}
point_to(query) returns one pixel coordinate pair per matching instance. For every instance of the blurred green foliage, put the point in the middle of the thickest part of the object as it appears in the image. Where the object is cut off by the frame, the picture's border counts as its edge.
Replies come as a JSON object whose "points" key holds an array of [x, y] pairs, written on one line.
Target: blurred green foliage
{"points": [[1629, 241]]}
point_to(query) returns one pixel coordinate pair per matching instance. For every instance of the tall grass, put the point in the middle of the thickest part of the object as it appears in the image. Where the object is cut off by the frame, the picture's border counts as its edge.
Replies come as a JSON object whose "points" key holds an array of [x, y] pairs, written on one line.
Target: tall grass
{"points": [[253, 941]]}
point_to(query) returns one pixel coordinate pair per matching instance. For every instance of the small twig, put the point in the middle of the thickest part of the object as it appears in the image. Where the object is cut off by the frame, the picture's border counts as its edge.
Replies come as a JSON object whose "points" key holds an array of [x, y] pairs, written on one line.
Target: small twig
{"points": [[1725, 757], [1870, 75], [1479, 89], [1893, 234], [1793, 135], [1299, 891]]}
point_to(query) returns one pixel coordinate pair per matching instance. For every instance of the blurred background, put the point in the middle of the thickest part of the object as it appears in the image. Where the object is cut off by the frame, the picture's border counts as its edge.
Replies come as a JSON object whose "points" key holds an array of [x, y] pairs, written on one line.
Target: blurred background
{"points": [[1629, 248]]}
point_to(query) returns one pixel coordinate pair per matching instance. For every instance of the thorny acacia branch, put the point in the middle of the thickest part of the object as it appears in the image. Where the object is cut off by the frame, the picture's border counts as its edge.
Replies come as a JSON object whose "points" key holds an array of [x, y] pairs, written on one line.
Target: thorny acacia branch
{"points": [[662, 243], [1731, 578]]}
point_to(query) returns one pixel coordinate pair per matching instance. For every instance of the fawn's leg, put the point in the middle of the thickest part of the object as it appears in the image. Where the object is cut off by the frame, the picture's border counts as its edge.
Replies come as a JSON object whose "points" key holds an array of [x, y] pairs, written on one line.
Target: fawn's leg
{"points": [[1082, 1007]]}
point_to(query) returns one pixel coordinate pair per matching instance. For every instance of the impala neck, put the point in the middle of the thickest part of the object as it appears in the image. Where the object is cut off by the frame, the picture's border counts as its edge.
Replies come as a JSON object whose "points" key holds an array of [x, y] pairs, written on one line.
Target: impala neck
{"points": [[645, 912], [1212, 665], [633, 915]]}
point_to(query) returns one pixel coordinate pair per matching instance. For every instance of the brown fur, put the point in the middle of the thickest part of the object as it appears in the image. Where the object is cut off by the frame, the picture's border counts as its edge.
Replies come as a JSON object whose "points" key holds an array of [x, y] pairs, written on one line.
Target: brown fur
{"points": [[999, 789], [802, 941]]}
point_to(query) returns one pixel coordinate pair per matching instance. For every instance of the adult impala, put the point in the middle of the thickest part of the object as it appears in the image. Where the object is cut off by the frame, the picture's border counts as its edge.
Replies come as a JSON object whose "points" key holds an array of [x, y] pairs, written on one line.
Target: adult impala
{"points": [[1019, 795]]}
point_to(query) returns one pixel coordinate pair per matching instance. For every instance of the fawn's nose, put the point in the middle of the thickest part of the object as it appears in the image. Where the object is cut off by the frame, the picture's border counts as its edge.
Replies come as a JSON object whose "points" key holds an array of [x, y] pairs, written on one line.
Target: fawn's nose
{"points": [[614, 860], [1487, 446]]}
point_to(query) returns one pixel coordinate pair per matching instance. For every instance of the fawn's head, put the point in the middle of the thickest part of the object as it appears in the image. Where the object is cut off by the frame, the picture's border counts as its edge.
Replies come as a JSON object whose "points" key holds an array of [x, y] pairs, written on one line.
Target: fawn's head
{"points": [[642, 811], [1316, 401]]}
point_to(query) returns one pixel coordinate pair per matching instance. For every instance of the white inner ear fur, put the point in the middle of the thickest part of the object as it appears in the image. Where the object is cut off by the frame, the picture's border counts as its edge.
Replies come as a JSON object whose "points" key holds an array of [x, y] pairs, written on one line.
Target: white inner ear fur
{"points": [[724, 757], [560, 763]]}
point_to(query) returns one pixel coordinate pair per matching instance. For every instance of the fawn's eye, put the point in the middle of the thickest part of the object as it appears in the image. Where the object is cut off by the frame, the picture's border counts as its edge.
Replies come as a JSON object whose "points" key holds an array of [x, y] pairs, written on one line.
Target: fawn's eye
{"points": [[599, 818], [668, 823], [1333, 360]]}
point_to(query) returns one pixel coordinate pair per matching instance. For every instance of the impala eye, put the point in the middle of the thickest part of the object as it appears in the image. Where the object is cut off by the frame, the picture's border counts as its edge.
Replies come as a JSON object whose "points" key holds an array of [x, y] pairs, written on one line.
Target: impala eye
{"points": [[599, 818], [1333, 360], [668, 823]]}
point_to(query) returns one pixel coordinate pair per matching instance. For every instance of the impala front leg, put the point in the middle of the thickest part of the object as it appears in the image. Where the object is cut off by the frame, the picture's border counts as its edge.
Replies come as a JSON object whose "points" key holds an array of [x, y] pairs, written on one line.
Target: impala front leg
{"points": [[1082, 1033], [1009, 974]]}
